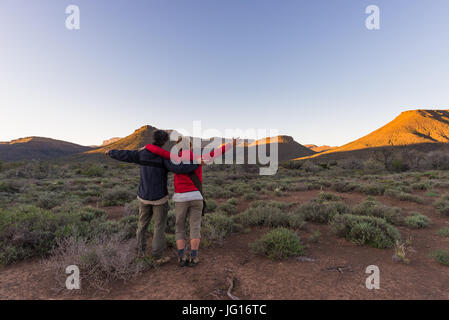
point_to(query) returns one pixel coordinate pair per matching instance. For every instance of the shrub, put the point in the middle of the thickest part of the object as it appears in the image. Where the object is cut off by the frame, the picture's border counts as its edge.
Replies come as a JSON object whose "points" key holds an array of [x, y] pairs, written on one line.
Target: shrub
{"points": [[372, 189], [309, 166], [93, 171], [250, 196], [373, 166], [438, 160], [351, 164], [373, 231], [398, 165], [211, 205], [321, 211], [101, 260], [442, 257], [32, 232], [442, 205], [9, 186], [228, 208], [271, 214], [328, 196], [283, 206], [443, 232], [431, 194], [27, 232], [344, 186], [217, 226], [315, 236], [371, 207], [400, 252], [117, 196], [403, 196], [131, 208], [232, 201], [278, 244], [47, 201], [421, 186], [417, 221]]}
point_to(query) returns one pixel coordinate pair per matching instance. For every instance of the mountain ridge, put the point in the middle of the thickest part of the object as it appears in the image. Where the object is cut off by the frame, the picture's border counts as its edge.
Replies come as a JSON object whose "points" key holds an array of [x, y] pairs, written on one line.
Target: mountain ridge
{"points": [[409, 128]]}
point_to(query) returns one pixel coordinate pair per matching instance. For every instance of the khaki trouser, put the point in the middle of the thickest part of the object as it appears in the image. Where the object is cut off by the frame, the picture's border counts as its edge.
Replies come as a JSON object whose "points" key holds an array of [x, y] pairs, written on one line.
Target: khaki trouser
{"points": [[193, 209], [159, 212]]}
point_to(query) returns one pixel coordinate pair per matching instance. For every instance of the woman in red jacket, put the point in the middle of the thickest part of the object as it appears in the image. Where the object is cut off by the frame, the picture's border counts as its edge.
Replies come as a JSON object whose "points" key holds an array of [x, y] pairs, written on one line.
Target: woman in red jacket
{"points": [[188, 199]]}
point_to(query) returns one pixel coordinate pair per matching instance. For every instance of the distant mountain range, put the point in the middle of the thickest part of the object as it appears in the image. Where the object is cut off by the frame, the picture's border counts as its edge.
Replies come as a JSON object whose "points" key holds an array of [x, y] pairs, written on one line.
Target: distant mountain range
{"points": [[409, 129], [316, 148], [37, 148]]}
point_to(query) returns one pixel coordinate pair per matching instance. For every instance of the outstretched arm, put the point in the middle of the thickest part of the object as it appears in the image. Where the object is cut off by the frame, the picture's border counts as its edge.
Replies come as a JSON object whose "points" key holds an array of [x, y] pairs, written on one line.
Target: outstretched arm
{"points": [[219, 151], [124, 155]]}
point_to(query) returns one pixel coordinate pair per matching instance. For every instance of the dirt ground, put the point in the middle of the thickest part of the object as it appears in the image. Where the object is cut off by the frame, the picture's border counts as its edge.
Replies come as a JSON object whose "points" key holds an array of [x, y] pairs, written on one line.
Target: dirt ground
{"points": [[333, 268]]}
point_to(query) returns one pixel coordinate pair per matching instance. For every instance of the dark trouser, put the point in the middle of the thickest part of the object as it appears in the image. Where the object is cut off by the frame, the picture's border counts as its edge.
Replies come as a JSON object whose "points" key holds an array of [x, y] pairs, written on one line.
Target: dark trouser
{"points": [[159, 212]]}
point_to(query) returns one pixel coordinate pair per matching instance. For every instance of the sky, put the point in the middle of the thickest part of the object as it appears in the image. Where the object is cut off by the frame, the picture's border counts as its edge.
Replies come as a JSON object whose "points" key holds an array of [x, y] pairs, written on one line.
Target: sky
{"points": [[310, 69]]}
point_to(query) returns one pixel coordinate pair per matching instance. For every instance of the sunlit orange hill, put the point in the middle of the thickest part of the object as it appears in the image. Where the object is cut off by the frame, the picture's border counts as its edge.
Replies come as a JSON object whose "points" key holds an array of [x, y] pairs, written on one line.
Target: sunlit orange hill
{"points": [[409, 128]]}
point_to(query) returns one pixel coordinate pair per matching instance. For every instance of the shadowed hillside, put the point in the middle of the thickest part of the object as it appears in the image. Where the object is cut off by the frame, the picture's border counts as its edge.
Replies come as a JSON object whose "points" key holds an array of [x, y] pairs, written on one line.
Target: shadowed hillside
{"points": [[37, 148], [288, 148], [410, 128]]}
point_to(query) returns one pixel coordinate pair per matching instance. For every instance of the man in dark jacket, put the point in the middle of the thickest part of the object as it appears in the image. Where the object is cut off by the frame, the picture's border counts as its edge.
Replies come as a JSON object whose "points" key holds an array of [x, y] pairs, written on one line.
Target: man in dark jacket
{"points": [[153, 193]]}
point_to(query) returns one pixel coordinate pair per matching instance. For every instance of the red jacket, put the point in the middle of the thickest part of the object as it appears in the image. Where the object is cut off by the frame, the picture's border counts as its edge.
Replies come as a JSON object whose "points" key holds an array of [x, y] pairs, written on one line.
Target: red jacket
{"points": [[183, 183]]}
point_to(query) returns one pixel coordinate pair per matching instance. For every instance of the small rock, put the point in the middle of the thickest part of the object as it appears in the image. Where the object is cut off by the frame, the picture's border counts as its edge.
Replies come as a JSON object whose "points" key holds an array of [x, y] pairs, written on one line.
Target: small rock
{"points": [[305, 259]]}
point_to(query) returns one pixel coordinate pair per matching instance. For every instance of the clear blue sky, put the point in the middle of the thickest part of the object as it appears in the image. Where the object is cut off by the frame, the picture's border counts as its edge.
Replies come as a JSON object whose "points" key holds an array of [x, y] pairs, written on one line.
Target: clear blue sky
{"points": [[308, 68]]}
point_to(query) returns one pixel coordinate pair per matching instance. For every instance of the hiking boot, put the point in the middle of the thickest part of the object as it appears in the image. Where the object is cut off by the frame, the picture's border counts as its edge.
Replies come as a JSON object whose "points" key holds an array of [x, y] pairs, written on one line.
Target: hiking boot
{"points": [[161, 261], [193, 261], [183, 261]]}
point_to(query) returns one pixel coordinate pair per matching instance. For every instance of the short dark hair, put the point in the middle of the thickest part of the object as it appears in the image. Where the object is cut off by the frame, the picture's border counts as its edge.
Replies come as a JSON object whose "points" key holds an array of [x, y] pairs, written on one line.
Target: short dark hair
{"points": [[160, 137]]}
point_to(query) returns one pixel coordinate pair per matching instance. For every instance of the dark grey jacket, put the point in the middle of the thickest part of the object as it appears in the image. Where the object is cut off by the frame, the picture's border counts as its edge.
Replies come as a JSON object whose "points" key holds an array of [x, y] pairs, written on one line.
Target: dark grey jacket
{"points": [[153, 171]]}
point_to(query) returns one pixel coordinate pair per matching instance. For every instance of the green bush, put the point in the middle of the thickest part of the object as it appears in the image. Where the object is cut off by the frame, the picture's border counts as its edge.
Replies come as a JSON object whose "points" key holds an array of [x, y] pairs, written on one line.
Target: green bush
{"points": [[93, 171], [211, 205], [278, 244], [327, 196], [403, 196], [345, 186], [228, 208], [9, 186], [442, 257], [216, 226], [373, 231], [283, 206], [27, 232], [47, 201], [321, 211], [372, 189], [398, 165], [371, 207], [443, 232], [116, 197], [442, 205], [421, 186], [250, 196], [271, 214], [417, 221]]}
